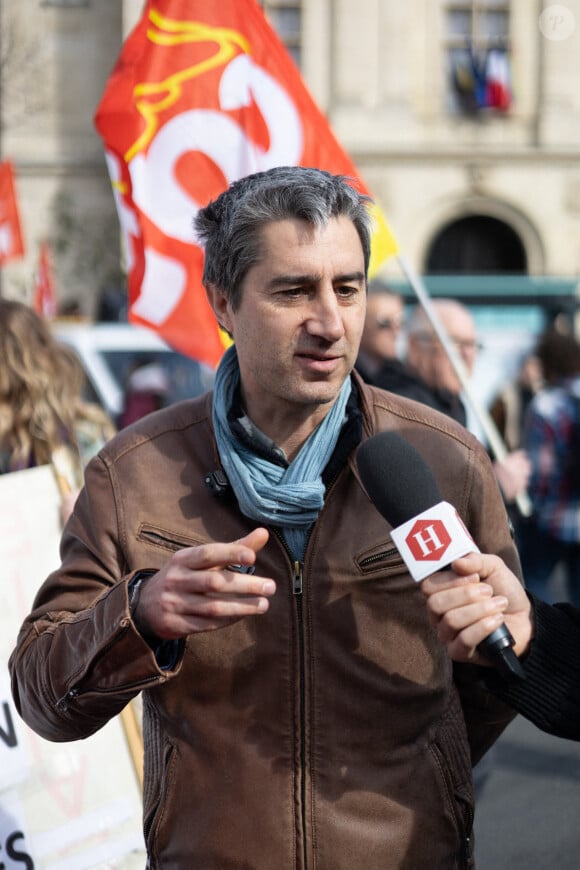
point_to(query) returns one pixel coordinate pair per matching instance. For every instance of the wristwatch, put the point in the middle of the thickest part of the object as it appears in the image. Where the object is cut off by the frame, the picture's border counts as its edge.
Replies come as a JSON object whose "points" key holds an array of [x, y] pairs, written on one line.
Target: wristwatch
{"points": [[167, 652], [135, 586]]}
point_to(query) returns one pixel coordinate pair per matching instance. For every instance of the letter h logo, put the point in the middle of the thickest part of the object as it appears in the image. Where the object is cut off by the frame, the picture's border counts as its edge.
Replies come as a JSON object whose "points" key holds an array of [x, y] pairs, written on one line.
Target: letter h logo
{"points": [[428, 540]]}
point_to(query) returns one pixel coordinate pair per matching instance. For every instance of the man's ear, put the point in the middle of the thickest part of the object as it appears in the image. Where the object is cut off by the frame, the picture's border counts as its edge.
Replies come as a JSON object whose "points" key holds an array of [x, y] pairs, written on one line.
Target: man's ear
{"points": [[221, 307]]}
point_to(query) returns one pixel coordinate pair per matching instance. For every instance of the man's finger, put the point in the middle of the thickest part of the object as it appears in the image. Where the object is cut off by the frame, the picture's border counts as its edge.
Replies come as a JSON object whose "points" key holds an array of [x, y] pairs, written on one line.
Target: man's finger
{"points": [[219, 555], [458, 596]]}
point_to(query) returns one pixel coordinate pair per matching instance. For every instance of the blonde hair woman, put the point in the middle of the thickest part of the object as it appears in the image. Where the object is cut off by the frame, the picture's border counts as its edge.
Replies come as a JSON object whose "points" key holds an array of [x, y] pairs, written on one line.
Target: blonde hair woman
{"points": [[43, 416]]}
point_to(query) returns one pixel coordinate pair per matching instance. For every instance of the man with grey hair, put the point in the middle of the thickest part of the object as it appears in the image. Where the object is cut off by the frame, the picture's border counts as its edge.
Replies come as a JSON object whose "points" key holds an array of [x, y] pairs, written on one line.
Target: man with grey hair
{"points": [[428, 360], [438, 385], [225, 561]]}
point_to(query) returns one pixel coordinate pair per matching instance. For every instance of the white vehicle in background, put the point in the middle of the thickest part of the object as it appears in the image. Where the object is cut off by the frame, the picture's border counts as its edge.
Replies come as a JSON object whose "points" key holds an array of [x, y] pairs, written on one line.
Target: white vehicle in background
{"points": [[111, 352]]}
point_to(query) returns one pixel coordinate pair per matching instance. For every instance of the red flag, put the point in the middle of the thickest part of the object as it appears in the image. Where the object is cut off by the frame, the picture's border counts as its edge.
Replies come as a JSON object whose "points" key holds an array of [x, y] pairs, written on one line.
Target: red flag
{"points": [[11, 244], [44, 294], [202, 94]]}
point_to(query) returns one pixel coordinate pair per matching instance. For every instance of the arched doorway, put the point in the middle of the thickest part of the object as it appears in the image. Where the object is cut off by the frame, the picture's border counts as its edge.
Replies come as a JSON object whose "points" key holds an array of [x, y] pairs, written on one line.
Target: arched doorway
{"points": [[475, 245]]}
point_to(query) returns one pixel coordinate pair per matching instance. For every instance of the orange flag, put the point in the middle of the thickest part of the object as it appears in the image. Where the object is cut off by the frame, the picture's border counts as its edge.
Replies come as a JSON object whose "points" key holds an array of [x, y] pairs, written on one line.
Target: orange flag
{"points": [[11, 243], [44, 293], [202, 94]]}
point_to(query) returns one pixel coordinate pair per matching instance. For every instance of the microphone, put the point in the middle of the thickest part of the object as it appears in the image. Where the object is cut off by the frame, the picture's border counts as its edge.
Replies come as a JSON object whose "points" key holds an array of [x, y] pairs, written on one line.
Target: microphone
{"points": [[428, 532]]}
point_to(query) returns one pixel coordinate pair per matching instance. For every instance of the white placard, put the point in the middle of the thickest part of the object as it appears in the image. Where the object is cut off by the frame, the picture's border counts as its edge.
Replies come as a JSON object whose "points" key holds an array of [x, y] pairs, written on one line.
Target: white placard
{"points": [[62, 805]]}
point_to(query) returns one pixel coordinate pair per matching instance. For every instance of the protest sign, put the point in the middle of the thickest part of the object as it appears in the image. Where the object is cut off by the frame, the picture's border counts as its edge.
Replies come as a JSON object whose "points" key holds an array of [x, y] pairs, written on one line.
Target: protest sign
{"points": [[63, 806]]}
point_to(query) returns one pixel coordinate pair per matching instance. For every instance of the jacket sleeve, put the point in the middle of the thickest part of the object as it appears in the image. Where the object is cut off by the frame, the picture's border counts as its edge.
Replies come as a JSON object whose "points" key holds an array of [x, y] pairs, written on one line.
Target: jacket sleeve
{"points": [[550, 694], [485, 515], [79, 658]]}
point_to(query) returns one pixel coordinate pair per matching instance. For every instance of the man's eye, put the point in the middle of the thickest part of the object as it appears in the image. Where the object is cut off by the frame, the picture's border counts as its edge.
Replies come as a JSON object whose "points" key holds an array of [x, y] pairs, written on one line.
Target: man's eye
{"points": [[347, 291]]}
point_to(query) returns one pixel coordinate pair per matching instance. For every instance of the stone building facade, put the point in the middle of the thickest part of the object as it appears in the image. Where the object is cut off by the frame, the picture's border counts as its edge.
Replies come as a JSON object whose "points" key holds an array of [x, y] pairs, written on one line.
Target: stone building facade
{"points": [[465, 185]]}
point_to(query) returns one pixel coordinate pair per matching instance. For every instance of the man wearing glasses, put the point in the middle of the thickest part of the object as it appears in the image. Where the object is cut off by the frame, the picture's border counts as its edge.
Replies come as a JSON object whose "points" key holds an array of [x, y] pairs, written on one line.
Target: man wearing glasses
{"points": [[379, 347], [426, 375], [428, 359], [432, 380]]}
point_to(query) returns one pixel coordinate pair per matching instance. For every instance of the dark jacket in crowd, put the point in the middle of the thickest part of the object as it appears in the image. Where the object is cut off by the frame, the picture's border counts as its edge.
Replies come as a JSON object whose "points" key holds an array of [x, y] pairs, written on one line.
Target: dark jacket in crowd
{"points": [[550, 695], [397, 377]]}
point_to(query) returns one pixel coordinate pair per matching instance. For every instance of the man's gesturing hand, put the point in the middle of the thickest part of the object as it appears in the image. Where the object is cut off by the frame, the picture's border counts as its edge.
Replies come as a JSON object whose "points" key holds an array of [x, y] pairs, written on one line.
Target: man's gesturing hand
{"points": [[197, 591]]}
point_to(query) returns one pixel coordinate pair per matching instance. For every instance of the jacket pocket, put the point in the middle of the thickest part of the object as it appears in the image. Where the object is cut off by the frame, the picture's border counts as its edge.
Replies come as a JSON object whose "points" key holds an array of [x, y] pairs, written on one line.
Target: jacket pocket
{"points": [[383, 558], [156, 801], [165, 539], [459, 801]]}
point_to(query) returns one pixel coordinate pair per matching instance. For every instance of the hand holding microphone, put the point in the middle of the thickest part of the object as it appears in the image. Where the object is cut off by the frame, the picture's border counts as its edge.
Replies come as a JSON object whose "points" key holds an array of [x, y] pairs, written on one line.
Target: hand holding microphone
{"points": [[427, 531], [468, 603]]}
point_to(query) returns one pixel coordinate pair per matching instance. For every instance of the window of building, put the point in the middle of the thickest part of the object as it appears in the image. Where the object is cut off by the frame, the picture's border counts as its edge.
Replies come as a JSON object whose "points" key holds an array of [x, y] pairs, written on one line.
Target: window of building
{"points": [[286, 19], [476, 245], [477, 50]]}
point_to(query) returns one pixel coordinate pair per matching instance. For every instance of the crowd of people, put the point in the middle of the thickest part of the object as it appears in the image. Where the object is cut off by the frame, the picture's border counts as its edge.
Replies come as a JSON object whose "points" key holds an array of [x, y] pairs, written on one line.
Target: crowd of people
{"points": [[305, 701], [427, 374], [537, 415]]}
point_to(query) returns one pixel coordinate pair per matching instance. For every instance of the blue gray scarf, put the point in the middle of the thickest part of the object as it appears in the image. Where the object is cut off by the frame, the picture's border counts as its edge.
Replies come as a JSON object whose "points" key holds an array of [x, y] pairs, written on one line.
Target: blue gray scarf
{"points": [[290, 497]]}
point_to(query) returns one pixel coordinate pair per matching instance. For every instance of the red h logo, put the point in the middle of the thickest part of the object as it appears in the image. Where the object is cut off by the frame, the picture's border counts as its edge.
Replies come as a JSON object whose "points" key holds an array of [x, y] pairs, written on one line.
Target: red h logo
{"points": [[428, 540]]}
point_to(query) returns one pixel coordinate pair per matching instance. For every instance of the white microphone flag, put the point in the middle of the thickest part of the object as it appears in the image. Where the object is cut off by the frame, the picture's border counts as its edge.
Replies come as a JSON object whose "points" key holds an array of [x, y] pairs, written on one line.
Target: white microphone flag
{"points": [[430, 541]]}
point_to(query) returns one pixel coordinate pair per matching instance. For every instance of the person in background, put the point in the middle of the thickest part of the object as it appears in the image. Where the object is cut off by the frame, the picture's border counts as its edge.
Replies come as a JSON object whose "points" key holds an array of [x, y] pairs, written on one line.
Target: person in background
{"points": [[225, 560], [436, 382], [432, 379], [464, 611], [551, 536], [146, 390], [509, 407], [43, 416], [379, 346]]}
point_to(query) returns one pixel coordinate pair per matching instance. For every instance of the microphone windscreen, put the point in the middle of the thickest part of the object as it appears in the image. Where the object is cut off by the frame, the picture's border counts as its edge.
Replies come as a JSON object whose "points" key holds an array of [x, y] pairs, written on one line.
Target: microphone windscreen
{"points": [[396, 477]]}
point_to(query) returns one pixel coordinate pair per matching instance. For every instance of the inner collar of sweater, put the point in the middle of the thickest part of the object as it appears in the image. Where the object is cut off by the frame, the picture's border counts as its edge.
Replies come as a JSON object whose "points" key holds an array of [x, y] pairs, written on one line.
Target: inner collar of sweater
{"points": [[252, 437]]}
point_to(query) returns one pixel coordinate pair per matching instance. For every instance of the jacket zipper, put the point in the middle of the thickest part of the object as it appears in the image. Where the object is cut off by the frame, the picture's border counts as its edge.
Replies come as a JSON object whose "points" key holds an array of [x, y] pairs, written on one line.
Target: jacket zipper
{"points": [[165, 540], [297, 590], [465, 818], [298, 580], [377, 557], [76, 691], [467, 842]]}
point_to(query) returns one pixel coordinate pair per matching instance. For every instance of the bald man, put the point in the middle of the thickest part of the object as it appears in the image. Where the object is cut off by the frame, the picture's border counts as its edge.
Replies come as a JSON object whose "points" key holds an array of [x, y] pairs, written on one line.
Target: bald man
{"points": [[431, 378], [428, 359]]}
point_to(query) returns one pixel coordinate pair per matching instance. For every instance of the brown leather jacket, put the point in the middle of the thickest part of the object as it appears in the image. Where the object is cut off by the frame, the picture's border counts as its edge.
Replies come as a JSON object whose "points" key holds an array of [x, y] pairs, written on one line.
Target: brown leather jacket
{"points": [[330, 733]]}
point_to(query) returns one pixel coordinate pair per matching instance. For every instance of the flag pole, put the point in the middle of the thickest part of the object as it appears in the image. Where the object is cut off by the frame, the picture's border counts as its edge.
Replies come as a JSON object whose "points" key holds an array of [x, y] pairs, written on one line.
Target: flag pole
{"points": [[494, 439]]}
